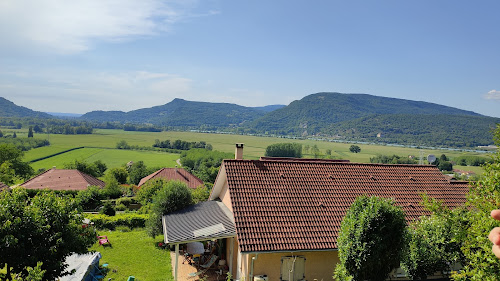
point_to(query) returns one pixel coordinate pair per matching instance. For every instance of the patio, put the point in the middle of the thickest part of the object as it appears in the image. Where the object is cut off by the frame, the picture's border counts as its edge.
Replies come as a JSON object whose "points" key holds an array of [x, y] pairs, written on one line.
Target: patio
{"points": [[185, 269]]}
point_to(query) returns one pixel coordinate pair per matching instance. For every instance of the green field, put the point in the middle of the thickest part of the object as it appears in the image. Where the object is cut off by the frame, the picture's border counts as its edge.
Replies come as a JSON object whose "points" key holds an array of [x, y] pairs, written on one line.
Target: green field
{"points": [[97, 143], [111, 157]]}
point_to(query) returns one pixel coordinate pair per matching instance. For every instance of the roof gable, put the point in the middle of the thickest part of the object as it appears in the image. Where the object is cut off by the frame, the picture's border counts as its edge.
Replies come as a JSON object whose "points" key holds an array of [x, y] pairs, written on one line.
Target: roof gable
{"points": [[62, 179], [178, 174], [284, 205]]}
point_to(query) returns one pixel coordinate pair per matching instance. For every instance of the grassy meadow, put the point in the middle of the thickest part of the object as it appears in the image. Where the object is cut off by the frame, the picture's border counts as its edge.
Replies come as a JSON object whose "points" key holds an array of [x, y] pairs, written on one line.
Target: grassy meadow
{"points": [[101, 146]]}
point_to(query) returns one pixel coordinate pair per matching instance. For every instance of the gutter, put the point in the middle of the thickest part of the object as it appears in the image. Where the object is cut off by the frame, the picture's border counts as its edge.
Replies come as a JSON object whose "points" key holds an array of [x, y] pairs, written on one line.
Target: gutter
{"points": [[251, 267]]}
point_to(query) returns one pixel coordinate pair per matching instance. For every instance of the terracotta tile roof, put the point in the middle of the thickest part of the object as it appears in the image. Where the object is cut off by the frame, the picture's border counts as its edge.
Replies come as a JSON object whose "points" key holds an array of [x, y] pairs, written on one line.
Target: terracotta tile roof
{"points": [[62, 180], [299, 205], [174, 174]]}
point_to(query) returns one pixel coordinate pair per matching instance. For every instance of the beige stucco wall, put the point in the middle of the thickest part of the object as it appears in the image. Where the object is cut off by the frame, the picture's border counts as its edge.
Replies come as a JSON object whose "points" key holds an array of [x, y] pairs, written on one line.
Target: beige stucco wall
{"points": [[225, 198], [319, 265]]}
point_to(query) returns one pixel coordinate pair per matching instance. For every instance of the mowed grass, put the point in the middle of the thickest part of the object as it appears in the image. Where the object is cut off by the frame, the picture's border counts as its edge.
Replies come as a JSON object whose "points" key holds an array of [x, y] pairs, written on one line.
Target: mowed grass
{"points": [[133, 253], [111, 157], [255, 146]]}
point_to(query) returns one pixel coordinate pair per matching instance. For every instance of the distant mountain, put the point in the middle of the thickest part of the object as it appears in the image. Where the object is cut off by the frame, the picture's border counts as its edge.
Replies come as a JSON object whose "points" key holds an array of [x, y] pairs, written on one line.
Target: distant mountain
{"points": [[182, 113], [362, 117], [269, 108], [315, 112], [68, 115], [9, 109]]}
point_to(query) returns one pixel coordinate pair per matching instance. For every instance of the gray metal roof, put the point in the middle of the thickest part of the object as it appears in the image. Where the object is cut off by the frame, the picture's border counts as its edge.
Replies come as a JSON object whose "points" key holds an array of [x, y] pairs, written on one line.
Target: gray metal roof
{"points": [[203, 221]]}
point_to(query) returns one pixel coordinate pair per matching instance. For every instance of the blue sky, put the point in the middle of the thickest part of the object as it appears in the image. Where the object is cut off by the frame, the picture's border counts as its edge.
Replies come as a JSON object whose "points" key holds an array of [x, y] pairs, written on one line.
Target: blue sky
{"points": [[79, 56]]}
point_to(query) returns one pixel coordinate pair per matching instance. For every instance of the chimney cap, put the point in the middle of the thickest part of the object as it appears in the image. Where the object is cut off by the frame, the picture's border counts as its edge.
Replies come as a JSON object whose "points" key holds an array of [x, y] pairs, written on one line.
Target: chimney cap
{"points": [[240, 145]]}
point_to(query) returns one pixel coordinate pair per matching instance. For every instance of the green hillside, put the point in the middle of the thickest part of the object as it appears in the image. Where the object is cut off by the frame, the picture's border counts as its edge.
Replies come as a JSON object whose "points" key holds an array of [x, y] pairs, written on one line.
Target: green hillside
{"points": [[185, 114], [316, 112], [9, 109]]}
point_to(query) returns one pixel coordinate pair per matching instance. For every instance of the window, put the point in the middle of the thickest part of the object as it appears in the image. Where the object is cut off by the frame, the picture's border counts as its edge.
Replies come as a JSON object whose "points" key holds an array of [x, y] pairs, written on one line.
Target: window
{"points": [[293, 268]]}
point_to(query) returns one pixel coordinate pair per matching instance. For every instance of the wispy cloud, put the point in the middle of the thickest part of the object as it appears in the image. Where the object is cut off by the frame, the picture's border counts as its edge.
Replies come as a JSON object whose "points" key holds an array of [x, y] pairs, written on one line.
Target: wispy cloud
{"points": [[68, 27], [492, 95]]}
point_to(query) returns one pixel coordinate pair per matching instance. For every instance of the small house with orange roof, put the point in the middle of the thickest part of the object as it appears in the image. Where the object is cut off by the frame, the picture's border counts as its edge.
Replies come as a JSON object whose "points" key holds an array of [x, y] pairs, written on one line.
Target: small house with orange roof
{"points": [[286, 213], [63, 179], [177, 174]]}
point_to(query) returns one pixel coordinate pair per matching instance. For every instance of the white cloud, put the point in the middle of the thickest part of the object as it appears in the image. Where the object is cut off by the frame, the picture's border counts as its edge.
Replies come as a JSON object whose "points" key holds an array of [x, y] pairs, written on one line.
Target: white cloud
{"points": [[492, 95], [70, 26]]}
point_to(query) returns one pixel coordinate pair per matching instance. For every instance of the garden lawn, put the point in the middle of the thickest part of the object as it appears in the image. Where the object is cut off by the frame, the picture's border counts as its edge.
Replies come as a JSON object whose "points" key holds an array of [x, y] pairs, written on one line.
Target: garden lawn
{"points": [[133, 253]]}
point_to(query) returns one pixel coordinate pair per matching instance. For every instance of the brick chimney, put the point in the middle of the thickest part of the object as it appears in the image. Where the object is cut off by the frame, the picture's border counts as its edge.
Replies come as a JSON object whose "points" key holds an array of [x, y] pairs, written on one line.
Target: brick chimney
{"points": [[238, 154]]}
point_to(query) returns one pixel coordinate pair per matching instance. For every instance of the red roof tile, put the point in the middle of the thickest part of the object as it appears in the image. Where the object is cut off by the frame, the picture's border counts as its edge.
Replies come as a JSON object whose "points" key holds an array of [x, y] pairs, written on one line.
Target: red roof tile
{"points": [[62, 180], [178, 174], [284, 205]]}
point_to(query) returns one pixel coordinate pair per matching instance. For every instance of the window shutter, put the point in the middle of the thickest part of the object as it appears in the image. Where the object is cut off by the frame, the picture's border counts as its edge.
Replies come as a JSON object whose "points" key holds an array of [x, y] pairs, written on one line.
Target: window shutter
{"points": [[293, 268]]}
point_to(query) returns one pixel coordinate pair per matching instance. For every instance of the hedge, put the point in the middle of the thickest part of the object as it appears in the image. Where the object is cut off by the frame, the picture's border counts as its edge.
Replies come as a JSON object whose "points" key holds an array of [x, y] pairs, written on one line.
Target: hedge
{"points": [[131, 220]]}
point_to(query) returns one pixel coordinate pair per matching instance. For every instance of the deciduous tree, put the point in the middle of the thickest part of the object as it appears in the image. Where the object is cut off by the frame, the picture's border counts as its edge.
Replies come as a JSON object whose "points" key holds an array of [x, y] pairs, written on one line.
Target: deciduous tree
{"points": [[354, 149], [371, 239], [173, 196], [46, 228]]}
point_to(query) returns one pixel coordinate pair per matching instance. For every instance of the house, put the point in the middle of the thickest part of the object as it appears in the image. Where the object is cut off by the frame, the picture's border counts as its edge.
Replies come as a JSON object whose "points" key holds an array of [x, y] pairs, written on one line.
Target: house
{"points": [[287, 212], [178, 174], [62, 179]]}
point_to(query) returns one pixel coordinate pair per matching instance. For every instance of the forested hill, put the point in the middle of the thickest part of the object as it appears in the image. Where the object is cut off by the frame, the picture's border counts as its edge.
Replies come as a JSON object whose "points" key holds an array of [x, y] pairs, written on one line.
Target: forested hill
{"points": [[9, 109], [316, 112], [186, 114], [367, 118]]}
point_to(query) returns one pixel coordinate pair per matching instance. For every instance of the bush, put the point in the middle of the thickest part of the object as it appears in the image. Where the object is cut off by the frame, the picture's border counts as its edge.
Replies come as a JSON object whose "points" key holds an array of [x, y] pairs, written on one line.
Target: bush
{"points": [[108, 209], [149, 189], [131, 220], [120, 207], [371, 239], [126, 201], [90, 198], [175, 195]]}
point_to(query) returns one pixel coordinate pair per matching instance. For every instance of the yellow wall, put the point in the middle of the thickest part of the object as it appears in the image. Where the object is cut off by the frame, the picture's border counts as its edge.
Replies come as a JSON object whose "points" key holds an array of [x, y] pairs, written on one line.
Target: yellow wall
{"points": [[225, 198], [319, 265]]}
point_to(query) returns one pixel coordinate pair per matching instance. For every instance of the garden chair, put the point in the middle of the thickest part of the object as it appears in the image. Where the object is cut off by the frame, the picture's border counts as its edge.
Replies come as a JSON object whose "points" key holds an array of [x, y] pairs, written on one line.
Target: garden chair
{"points": [[206, 266], [103, 240]]}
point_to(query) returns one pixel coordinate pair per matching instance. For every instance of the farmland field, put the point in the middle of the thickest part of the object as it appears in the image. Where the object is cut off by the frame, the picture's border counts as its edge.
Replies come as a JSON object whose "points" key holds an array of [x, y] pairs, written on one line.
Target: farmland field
{"points": [[101, 144], [111, 157]]}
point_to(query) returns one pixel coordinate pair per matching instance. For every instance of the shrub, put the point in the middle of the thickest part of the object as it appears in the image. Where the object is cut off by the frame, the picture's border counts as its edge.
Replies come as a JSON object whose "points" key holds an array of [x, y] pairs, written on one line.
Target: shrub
{"points": [[108, 209], [120, 207], [90, 198], [175, 195], [371, 239]]}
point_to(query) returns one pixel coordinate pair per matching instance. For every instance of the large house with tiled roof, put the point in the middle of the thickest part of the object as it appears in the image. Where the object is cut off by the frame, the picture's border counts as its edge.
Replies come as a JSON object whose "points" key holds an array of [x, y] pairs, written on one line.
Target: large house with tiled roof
{"points": [[177, 174], [287, 212], [62, 179]]}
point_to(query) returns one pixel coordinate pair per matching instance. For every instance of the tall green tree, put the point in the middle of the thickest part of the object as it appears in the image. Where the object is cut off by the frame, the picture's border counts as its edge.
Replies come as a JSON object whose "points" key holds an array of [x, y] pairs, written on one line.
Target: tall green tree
{"points": [[12, 167], [30, 132], [46, 228], [371, 239], [284, 150], [173, 196], [484, 196], [137, 171], [355, 149]]}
